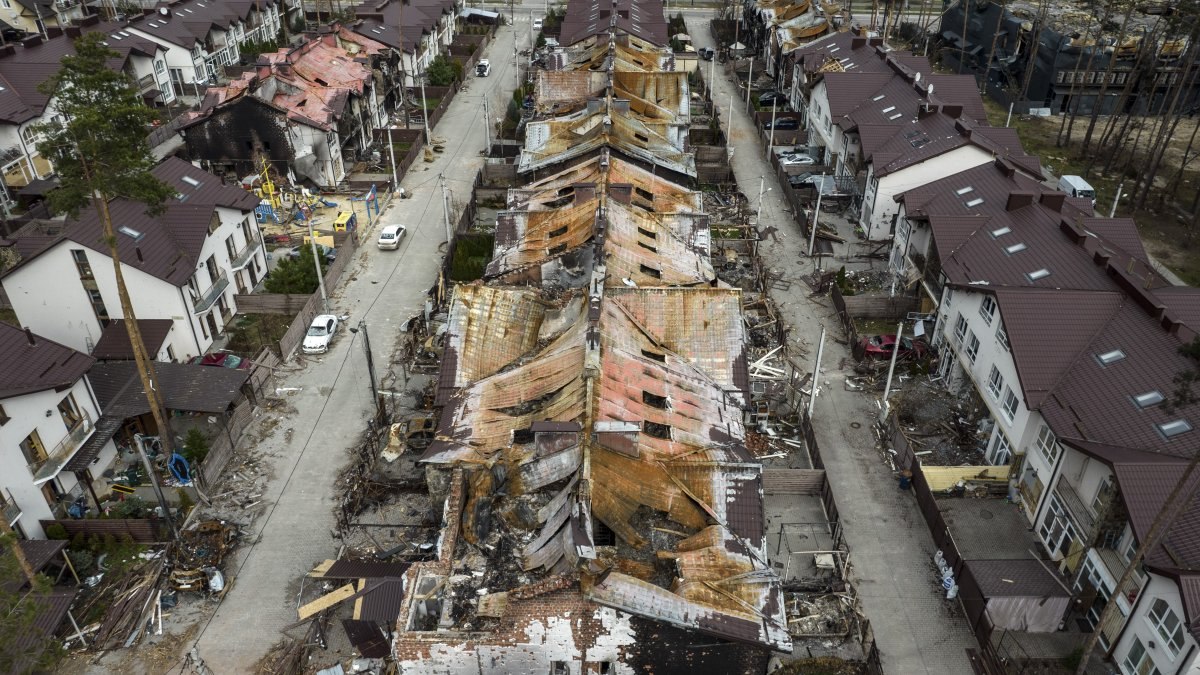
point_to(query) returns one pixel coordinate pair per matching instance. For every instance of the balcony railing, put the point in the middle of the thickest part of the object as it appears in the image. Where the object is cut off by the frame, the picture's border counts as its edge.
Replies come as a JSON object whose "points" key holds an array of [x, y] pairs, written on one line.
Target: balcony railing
{"points": [[245, 255], [11, 511], [1116, 565], [205, 301], [1085, 520], [49, 467]]}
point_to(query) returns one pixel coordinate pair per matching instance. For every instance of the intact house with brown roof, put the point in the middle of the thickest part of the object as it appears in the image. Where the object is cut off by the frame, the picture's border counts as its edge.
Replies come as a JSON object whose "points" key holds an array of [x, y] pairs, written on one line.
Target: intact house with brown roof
{"points": [[25, 65], [203, 37], [895, 127], [48, 411], [39, 16], [184, 266], [310, 110], [1056, 318], [417, 30]]}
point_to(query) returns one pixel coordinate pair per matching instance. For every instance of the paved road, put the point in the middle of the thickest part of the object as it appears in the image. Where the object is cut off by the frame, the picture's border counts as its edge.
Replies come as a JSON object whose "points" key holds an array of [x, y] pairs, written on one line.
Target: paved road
{"points": [[890, 547], [310, 446]]}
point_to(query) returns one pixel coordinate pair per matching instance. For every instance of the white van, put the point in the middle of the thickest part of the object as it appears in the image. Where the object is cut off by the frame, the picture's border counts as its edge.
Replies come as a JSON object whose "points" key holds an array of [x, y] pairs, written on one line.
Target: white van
{"points": [[1075, 186]]}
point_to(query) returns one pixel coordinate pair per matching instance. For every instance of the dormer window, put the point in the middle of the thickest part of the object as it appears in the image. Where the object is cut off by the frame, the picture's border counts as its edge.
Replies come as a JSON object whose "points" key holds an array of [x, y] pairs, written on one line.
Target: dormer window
{"points": [[1174, 428], [1148, 399], [1110, 357]]}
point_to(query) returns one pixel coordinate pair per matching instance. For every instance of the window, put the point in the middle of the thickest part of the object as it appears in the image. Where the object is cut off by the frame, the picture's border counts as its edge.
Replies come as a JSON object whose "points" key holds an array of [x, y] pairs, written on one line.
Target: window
{"points": [[987, 309], [1166, 622], [246, 230], [82, 264], [560, 668], [98, 307], [1000, 453], [1174, 428], [995, 383], [972, 346], [650, 271], [32, 448], [204, 325], [69, 411], [960, 329], [1010, 404], [230, 247], [1057, 531], [170, 353], [656, 430], [661, 358], [6, 3], [1104, 495], [1002, 337], [654, 400], [1110, 357], [1047, 444], [1138, 662], [1148, 399]]}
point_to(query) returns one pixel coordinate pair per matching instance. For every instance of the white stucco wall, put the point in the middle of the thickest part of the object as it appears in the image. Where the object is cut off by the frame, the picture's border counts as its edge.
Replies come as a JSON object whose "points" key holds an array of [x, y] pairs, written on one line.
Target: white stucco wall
{"points": [[1139, 627], [879, 205], [28, 413]]}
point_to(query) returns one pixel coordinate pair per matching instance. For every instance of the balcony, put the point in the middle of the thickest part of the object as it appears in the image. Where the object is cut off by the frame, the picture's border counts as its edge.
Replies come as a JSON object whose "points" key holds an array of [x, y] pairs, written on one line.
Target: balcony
{"points": [[204, 302], [1085, 520], [49, 467], [242, 259], [11, 511]]}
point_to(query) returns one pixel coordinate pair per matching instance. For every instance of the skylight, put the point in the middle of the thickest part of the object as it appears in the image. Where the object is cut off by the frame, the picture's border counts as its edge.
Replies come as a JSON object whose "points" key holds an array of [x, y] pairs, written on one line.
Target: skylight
{"points": [[1110, 357], [191, 181], [1015, 248], [1000, 232], [1148, 399], [896, 116], [878, 98], [130, 232], [889, 109], [975, 202], [1038, 274], [1174, 428]]}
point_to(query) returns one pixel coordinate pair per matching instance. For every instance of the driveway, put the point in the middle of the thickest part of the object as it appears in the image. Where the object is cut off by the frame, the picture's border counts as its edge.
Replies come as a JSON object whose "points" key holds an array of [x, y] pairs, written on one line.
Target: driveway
{"points": [[332, 400], [891, 551]]}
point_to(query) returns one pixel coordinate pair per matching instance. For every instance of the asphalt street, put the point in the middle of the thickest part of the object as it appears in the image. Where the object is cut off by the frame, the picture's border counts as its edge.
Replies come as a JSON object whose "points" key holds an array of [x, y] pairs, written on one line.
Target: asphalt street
{"points": [[332, 399]]}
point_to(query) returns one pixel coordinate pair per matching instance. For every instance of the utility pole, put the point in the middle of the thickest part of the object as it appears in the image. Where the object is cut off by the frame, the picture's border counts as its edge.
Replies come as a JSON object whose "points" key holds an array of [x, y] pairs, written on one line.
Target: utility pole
{"points": [[771, 141], [446, 207], [487, 128], [887, 388], [1181, 495], [392, 156], [812, 395], [362, 326], [812, 227], [312, 241], [162, 499]]}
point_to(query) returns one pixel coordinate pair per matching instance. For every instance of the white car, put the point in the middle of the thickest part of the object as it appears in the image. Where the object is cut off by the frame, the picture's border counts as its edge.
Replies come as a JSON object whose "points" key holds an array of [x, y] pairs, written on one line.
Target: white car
{"points": [[320, 332], [483, 68], [795, 160], [390, 236], [537, 24]]}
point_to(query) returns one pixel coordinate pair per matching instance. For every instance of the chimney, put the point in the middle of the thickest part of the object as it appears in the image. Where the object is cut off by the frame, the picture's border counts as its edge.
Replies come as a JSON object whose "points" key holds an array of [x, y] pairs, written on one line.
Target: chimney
{"points": [[73, 32], [29, 337], [1053, 200], [858, 42], [926, 110], [954, 111], [32, 41], [622, 192], [1007, 169], [875, 41], [90, 20], [1017, 200], [138, 252], [8, 49], [584, 193], [53, 32]]}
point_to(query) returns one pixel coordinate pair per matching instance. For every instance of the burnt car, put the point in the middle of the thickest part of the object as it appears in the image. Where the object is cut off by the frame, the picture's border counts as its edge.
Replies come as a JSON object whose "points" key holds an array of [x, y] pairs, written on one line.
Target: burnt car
{"points": [[881, 347]]}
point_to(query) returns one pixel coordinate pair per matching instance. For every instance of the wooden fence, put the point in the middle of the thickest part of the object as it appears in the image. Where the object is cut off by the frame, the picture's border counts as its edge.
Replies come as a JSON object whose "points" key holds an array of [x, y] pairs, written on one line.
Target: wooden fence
{"points": [[271, 303], [221, 451], [142, 530]]}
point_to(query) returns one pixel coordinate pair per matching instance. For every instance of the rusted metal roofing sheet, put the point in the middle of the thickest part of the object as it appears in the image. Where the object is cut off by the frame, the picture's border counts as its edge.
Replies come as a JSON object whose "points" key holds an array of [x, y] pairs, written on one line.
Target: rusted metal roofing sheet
{"points": [[532, 237], [368, 638], [364, 569], [645, 250]]}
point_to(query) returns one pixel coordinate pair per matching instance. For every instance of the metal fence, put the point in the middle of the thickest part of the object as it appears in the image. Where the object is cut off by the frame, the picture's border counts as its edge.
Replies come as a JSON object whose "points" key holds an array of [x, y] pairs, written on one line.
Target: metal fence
{"points": [[141, 530]]}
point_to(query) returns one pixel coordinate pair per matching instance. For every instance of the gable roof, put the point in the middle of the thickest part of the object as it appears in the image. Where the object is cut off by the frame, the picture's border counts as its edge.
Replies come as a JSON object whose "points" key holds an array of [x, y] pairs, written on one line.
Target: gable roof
{"points": [[166, 246], [185, 22], [26, 368], [114, 344]]}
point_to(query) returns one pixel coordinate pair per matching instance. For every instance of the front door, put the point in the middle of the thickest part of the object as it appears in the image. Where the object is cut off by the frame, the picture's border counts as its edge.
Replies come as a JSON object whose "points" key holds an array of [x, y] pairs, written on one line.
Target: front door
{"points": [[212, 325]]}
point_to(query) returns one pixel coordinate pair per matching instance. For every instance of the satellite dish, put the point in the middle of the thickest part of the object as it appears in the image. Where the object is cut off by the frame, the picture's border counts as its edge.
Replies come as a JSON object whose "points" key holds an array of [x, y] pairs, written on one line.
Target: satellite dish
{"points": [[164, 11], [916, 77]]}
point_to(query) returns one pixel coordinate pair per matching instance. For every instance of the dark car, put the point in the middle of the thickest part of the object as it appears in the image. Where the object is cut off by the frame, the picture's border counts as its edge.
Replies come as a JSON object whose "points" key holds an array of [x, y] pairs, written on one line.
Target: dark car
{"points": [[770, 99], [784, 124], [881, 346], [707, 53]]}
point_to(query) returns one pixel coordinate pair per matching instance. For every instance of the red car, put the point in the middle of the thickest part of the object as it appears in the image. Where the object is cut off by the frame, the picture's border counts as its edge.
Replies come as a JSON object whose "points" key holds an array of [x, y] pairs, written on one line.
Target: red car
{"points": [[881, 346], [221, 360]]}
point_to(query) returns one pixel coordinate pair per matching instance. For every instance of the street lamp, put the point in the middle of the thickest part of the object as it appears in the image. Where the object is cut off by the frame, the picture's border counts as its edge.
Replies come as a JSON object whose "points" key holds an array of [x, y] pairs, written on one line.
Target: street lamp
{"points": [[762, 182], [362, 325]]}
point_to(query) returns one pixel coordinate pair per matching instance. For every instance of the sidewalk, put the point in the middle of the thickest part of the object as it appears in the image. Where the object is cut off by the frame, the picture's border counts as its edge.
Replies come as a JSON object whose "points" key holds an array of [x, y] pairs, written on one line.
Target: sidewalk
{"points": [[891, 551]]}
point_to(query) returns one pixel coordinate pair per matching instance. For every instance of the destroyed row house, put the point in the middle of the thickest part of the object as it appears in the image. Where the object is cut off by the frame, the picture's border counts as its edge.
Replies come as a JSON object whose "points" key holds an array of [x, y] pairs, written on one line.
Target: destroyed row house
{"points": [[886, 120], [311, 111], [1077, 64], [602, 513], [774, 29], [1056, 318]]}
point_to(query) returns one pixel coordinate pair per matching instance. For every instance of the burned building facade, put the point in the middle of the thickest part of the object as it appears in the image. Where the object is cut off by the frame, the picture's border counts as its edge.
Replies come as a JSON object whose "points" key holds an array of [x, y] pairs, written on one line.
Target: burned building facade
{"points": [[601, 512], [1077, 65]]}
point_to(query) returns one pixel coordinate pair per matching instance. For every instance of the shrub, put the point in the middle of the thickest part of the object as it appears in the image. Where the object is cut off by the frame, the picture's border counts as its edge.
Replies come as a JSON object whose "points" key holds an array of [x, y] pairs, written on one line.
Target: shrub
{"points": [[56, 531], [441, 72], [185, 500], [195, 447], [78, 542], [82, 560], [134, 507]]}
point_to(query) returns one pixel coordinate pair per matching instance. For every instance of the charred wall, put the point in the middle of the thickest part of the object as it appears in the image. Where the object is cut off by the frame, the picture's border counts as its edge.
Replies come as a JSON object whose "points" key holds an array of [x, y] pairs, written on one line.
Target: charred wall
{"points": [[232, 137], [662, 649]]}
